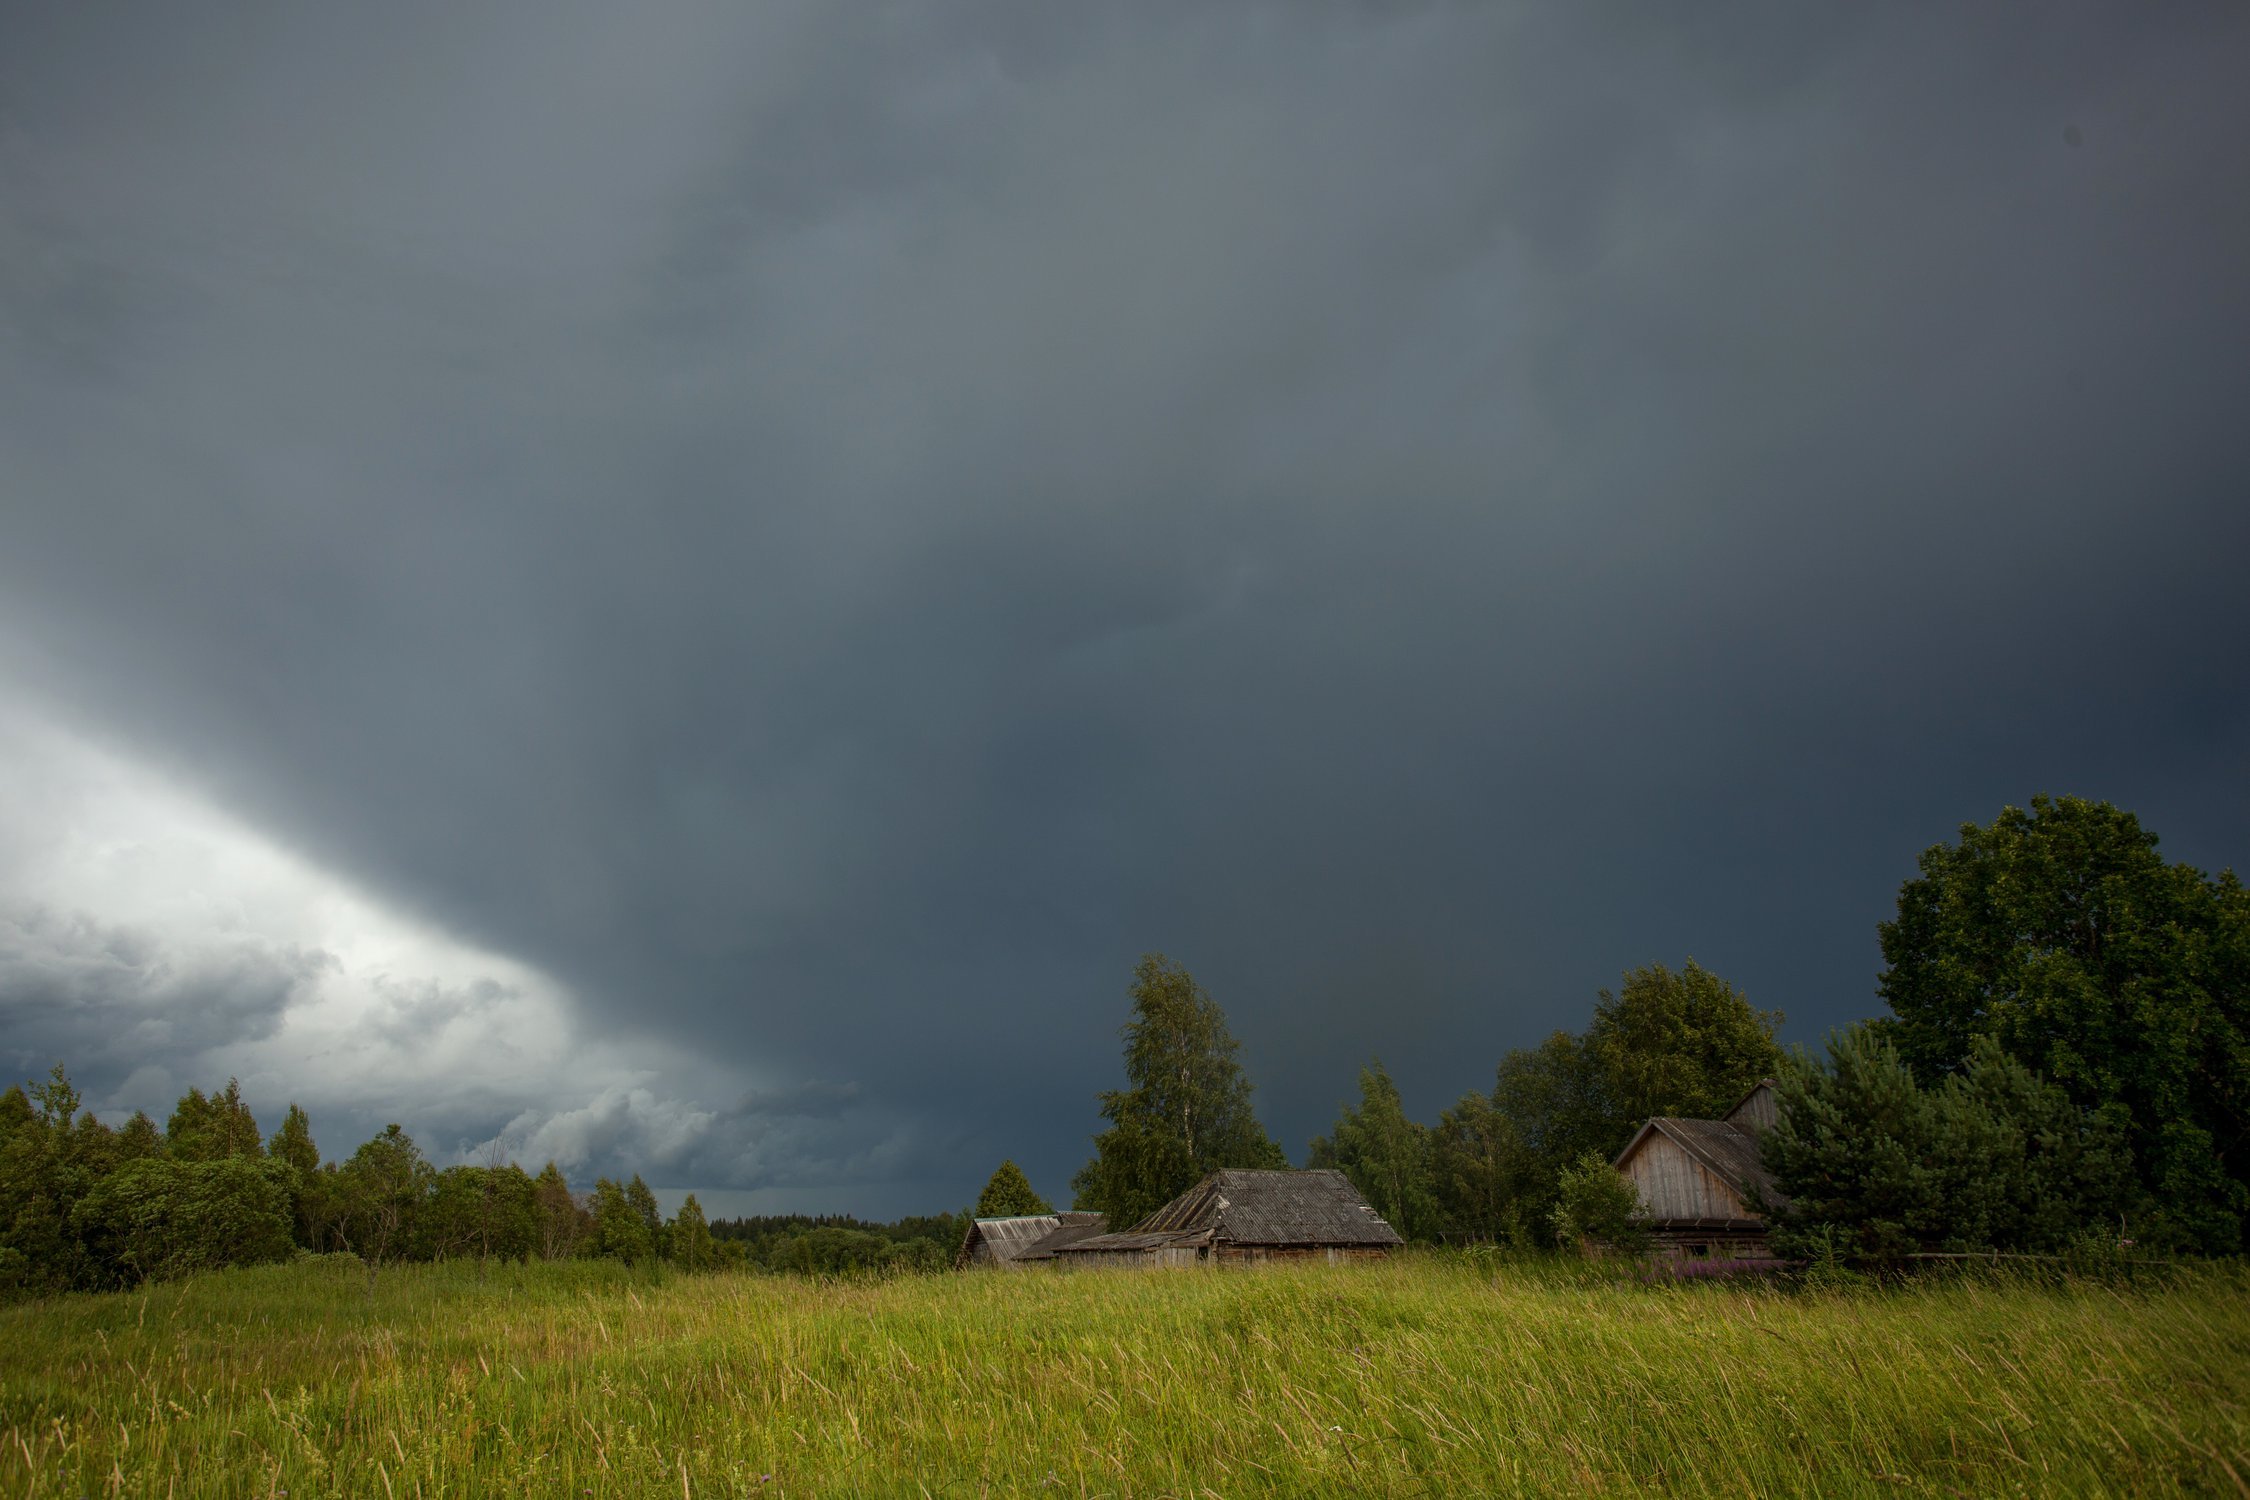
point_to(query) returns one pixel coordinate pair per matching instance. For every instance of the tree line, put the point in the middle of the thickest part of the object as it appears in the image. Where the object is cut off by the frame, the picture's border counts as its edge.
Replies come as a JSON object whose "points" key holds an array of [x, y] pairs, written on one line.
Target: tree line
{"points": [[84, 1206], [2067, 1053], [2066, 1057], [1492, 1166], [88, 1207]]}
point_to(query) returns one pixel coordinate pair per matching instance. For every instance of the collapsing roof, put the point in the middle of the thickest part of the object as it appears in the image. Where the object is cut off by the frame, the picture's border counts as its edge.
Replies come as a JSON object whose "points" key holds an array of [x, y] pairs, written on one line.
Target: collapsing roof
{"points": [[1254, 1209], [1073, 1228], [1020, 1237]]}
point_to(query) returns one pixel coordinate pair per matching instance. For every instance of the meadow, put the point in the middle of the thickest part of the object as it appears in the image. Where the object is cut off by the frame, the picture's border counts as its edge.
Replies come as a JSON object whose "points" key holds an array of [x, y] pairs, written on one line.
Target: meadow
{"points": [[1429, 1375]]}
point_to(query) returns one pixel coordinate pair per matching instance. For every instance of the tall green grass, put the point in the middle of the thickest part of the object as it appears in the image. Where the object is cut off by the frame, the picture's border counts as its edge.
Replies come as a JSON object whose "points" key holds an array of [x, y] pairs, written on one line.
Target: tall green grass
{"points": [[1423, 1376]]}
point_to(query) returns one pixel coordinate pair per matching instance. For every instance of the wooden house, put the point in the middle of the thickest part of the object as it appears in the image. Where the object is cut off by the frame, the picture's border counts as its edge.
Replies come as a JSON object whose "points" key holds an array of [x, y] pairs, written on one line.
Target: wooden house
{"points": [[1240, 1216], [1007, 1243], [1700, 1181]]}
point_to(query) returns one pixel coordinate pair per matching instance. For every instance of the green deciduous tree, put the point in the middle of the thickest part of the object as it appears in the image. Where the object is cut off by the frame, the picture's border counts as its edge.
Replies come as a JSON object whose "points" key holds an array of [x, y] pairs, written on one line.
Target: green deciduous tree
{"points": [[1553, 1098], [212, 1128], [486, 1212], [620, 1230], [1385, 1154], [48, 1162], [164, 1217], [1186, 1108], [2124, 979], [561, 1223], [383, 1187], [1677, 1044], [1482, 1174], [1598, 1208], [1009, 1193]]}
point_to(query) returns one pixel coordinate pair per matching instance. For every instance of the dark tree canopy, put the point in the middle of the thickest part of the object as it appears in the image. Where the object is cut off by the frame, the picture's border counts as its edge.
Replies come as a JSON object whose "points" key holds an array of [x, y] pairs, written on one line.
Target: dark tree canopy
{"points": [[1678, 1044], [1009, 1193], [1991, 1157], [2062, 934], [1186, 1108], [1664, 1043]]}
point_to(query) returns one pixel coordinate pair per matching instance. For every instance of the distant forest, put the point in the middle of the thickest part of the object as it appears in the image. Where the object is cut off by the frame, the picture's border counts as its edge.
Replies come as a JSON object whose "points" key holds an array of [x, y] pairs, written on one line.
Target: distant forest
{"points": [[2065, 1064]]}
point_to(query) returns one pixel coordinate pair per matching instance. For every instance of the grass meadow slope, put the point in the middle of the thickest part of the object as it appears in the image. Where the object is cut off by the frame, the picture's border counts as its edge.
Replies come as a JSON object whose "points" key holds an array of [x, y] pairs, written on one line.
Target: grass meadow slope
{"points": [[1430, 1375]]}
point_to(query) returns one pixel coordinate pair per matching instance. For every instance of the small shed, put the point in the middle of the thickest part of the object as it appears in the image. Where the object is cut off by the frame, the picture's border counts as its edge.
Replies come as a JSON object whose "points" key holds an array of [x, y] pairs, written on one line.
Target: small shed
{"points": [[1700, 1180], [1007, 1242], [1238, 1216]]}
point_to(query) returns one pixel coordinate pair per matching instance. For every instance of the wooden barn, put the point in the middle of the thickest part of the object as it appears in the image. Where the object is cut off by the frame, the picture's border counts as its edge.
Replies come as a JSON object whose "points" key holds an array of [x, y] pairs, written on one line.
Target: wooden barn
{"points": [[1698, 1180], [1008, 1243], [1240, 1216]]}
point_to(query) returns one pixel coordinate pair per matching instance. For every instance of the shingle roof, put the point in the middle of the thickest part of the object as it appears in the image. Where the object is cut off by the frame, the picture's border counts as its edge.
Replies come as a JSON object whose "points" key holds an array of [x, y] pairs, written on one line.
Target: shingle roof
{"points": [[1245, 1207]]}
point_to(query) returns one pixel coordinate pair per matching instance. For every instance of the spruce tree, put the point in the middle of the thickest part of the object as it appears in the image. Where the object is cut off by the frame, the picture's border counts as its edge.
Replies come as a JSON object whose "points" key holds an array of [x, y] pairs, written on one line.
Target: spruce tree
{"points": [[1008, 1194], [293, 1142], [689, 1244], [644, 1205], [293, 1149]]}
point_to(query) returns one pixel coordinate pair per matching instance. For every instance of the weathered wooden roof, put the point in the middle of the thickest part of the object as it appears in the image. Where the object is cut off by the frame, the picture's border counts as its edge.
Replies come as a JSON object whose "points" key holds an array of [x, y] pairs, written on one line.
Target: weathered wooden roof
{"points": [[1730, 1154], [1756, 1111], [1007, 1239], [1129, 1241], [1240, 1206], [1072, 1228]]}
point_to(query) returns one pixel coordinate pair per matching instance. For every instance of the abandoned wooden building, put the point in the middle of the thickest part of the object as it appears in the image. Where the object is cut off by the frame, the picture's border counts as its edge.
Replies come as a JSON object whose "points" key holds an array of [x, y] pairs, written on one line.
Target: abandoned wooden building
{"points": [[1008, 1242], [1073, 1228], [1701, 1181], [1238, 1216]]}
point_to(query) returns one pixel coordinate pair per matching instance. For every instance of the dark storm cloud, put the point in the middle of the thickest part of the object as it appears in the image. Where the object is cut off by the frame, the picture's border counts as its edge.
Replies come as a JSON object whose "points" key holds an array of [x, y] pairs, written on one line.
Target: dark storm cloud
{"points": [[832, 529], [112, 998]]}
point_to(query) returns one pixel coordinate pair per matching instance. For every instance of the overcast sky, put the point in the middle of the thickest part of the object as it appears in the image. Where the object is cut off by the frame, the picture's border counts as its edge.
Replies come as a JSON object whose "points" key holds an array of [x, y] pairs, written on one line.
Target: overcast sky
{"points": [[688, 587]]}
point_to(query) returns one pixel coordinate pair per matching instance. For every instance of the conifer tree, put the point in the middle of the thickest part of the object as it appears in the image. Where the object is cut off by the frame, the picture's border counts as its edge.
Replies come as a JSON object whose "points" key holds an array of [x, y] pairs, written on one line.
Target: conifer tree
{"points": [[293, 1143], [689, 1244], [1008, 1194], [644, 1205], [138, 1139], [292, 1149], [212, 1127]]}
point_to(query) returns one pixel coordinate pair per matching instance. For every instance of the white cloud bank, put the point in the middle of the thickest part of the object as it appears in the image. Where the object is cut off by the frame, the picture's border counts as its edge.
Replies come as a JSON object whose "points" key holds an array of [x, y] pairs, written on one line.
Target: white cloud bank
{"points": [[150, 942]]}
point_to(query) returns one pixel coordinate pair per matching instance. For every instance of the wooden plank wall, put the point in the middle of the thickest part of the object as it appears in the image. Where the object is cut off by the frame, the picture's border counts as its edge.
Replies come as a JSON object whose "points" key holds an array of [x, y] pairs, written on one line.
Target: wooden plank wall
{"points": [[1674, 1185]]}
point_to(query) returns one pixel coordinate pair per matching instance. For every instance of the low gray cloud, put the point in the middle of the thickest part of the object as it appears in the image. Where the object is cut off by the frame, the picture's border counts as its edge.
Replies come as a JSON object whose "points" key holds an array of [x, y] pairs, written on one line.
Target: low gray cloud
{"points": [[812, 1136], [110, 999], [830, 531]]}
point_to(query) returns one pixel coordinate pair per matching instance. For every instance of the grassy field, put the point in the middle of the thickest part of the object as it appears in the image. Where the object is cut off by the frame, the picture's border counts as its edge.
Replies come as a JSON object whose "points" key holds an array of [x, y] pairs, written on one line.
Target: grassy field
{"points": [[1426, 1376]]}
